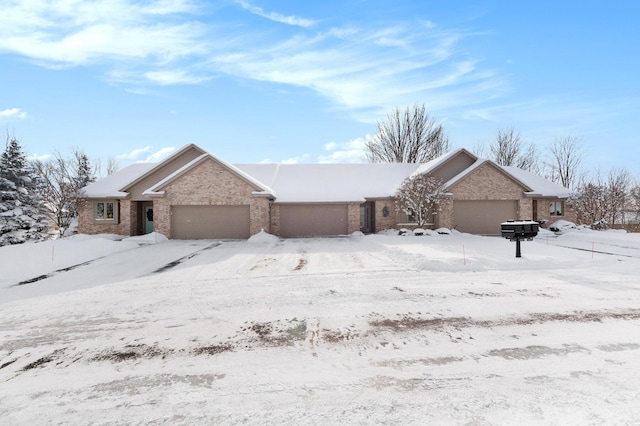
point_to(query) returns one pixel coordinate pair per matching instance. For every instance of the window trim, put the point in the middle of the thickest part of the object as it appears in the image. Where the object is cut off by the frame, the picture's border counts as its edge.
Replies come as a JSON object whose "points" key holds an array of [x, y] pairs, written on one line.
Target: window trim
{"points": [[116, 208], [553, 208]]}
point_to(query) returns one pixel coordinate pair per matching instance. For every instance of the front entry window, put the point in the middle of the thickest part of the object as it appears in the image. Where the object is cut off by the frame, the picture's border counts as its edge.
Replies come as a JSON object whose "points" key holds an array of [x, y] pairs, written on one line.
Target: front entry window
{"points": [[556, 208], [106, 211]]}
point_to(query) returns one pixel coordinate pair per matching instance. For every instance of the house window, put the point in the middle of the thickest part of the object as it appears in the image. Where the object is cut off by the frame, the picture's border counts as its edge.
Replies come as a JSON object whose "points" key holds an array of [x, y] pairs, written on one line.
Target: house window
{"points": [[556, 208], [106, 211], [410, 217]]}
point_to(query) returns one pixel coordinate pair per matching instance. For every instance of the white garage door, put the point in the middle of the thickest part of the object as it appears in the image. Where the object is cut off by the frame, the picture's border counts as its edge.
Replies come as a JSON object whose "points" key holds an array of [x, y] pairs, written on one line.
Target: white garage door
{"points": [[208, 222], [313, 220], [483, 217]]}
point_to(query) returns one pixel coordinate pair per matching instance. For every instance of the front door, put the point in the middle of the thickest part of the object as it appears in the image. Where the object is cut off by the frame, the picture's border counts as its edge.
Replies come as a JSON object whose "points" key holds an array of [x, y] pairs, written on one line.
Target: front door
{"points": [[148, 219], [366, 218]]}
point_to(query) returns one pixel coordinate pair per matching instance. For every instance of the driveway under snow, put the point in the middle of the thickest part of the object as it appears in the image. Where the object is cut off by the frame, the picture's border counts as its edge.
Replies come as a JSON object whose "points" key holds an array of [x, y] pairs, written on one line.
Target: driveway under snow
{"points": [[446, 329]]}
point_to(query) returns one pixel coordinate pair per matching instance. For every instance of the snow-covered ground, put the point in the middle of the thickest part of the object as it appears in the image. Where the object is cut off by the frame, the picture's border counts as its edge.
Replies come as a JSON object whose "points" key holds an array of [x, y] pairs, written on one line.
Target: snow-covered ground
{"points": [[379, 329]]}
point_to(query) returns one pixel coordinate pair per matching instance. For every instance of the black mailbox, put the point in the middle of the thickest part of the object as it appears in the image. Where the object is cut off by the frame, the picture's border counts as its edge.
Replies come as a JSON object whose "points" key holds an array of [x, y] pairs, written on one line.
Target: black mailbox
{"points": [[521, 229], [518, 230]]}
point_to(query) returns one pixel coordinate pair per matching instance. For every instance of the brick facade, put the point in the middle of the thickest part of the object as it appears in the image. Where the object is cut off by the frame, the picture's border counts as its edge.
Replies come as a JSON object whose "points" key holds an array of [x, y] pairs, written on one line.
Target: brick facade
{"points": [[389, 221], [543, 211], [275, 219], [353, 218], [489, 184], [125, 225], [209, 184]]}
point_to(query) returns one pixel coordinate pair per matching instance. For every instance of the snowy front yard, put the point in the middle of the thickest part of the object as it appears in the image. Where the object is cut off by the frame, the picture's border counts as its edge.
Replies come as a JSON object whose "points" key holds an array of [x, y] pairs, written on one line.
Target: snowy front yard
{"points": [[441, 329]]}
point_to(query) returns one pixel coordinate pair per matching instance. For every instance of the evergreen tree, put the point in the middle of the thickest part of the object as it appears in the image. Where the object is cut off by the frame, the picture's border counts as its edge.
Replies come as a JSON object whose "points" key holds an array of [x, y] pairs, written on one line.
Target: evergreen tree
{"points": [[21, 215], [83, 176]]}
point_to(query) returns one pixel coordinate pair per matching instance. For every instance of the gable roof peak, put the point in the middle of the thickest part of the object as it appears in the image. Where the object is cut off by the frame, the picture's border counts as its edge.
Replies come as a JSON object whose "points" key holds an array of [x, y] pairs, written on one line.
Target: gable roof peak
{"points": [[159, 164], [261, 188]]}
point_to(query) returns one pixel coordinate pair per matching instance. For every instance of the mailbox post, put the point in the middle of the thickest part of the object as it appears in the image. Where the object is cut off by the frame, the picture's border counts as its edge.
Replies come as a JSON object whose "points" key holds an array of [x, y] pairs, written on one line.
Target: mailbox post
{"points": [[519, 230]]}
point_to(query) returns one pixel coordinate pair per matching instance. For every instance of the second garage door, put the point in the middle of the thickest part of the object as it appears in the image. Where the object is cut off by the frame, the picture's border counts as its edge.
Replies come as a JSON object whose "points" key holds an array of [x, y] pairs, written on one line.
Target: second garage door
{"points": [[210, 222], [483, 217], [313, 220]]}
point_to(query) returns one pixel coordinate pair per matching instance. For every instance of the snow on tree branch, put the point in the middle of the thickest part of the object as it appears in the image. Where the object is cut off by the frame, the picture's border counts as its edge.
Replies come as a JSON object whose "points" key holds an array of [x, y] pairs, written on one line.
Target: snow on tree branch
{"points": [[421, 196]]}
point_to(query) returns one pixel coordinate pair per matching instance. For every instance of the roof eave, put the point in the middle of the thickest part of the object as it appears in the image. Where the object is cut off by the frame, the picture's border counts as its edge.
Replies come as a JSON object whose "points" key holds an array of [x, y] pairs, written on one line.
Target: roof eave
{"points": [[541, 195], [118, 195], [153, 193]]}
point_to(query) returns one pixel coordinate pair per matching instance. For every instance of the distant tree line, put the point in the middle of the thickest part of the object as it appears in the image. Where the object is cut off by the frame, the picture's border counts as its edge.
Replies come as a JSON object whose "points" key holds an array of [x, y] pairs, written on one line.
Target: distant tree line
{"points": [[412, 135]]}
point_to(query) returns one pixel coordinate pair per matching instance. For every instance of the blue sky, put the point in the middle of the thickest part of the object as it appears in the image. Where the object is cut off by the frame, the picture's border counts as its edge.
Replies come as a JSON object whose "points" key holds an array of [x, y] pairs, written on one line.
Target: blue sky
{"points": [[256, 80]]}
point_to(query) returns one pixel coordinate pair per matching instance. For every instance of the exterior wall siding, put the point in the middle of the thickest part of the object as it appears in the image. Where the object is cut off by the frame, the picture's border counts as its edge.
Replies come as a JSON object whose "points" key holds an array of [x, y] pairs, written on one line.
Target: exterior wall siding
{"points": [[135, 191], [209, 183], [124, 226], [275, 219], [487, 183], [395, 217], [543, 211], [353, 218], [382, 222]]}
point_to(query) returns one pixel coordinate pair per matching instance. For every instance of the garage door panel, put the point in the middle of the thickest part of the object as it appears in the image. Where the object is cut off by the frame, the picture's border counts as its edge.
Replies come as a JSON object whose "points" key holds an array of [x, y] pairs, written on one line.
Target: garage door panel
{"points": [[483, 216], [302, 220], [210, 222]]}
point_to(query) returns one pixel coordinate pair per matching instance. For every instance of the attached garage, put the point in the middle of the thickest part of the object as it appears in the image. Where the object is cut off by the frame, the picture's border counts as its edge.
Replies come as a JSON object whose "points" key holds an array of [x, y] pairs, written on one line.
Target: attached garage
{"points": [[483, 216], [210, 222], [313, 220]]}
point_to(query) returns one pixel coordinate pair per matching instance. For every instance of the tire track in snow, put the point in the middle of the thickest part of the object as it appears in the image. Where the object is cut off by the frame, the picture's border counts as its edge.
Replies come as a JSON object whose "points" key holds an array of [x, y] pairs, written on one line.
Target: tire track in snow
{"points": [[164, 268], [182, 259]]}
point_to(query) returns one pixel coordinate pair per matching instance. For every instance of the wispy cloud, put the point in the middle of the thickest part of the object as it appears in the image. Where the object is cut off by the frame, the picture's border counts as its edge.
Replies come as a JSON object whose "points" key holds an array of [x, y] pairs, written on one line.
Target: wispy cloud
{"points": [[353, 151], [274, 16], [146, 154], [159, 155], [305, 158], [122, 34], [39, 157], [13, 113], [168, 77], [365, 70], [134, 154]]}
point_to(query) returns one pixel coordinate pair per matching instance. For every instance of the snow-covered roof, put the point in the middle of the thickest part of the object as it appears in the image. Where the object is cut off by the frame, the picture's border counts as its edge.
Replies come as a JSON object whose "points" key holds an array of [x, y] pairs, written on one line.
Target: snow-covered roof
{"points": [[112, 185], [318, 183], [308, 183], [539, 186]]}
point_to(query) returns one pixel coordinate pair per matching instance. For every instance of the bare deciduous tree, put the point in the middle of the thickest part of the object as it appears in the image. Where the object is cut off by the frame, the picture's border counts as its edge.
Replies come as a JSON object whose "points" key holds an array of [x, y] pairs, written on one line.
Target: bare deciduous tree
{"points": [[508, 149], [421, 196], [409, 136], [618, 183], [602, 201], [634, 195], [566, 155], [61, 181], [589, 200], [110, 167]]}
